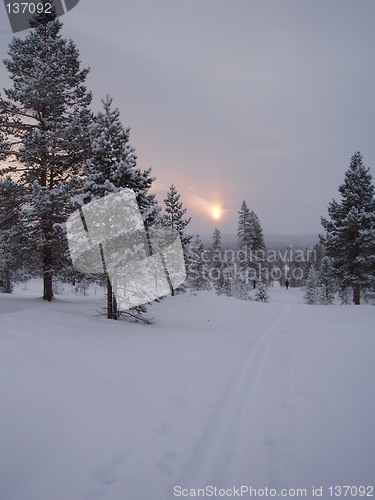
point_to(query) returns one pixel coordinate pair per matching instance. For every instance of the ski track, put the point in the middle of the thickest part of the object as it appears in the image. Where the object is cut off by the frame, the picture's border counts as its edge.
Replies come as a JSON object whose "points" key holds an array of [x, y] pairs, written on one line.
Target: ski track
{"points": [[229, 428], [221, 454]]}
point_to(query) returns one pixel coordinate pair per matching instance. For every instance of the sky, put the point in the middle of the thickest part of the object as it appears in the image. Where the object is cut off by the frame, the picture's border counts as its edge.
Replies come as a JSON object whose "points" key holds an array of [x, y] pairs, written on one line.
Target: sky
{"points": [[231, 100]]}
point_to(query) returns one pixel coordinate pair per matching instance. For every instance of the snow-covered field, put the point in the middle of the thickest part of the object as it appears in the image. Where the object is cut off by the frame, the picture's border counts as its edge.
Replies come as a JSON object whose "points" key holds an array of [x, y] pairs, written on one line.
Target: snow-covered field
{"points": [[216, 392]]}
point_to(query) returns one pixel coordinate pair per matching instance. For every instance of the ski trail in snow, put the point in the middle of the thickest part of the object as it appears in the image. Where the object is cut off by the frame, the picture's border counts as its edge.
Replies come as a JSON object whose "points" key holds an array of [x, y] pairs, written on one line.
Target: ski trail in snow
{"points": [[219, 450]]}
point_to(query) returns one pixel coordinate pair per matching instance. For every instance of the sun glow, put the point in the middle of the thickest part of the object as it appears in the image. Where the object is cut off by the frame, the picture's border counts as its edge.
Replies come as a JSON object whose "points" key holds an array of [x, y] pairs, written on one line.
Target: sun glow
{"points": [[216, 212]]}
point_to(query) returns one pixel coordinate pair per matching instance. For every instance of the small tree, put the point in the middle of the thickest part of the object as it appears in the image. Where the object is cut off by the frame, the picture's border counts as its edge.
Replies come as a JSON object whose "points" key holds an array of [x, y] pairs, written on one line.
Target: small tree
{"points": [[313, 289], [174, 216], [350, 231], [327, 281], [261, 294], [219, 269]]}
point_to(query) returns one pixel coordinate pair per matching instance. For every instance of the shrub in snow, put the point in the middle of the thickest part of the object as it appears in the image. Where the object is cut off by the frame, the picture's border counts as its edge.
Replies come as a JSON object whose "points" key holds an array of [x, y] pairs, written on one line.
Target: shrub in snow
{"points": [[261, 294]]}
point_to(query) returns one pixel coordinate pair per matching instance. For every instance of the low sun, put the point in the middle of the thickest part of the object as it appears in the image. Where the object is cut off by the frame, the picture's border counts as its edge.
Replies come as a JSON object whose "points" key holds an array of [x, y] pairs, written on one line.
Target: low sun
{"points": [[216, 212]]}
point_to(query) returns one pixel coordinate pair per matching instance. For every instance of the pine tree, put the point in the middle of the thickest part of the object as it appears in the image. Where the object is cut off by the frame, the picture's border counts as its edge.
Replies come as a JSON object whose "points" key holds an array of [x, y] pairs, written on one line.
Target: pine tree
{"points": [[174, 219], [251, 246], [257, 239], [259, 264], [350, 232], [198, 269], [220, 271], [313, 290], [327, 281], [43, 122], [245, 229], [245, 237], [112, 167], [174, 215], [216, 263], [320, 284]]}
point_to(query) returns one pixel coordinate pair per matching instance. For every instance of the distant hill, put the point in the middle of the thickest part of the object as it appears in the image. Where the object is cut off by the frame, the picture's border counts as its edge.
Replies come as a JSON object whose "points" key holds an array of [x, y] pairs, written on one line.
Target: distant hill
{"points": [[272, 240], [296, 240]]}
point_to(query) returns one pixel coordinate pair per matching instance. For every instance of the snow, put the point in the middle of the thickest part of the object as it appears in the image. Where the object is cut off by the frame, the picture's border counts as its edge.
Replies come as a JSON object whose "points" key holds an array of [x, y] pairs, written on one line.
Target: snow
{"points": [[217, 391]]}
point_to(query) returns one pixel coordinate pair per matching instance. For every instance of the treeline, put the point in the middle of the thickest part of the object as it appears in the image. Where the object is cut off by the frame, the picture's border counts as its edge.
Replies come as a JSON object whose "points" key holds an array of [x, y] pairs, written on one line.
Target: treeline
{"points": [[342, 262]]}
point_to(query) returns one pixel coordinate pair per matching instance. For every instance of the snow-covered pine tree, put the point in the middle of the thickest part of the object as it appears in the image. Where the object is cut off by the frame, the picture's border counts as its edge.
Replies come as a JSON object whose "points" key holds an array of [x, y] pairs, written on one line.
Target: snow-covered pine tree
{"points": [[257, 240], [251, 246], [327, 281], [220, 272], [259, 263], [174, 216], [112, 167], [245, 229], [245, 239], [319, 254], [43, 120], [217, 263], [350, 231], [198, 269], [216, 244], [313, 292]]}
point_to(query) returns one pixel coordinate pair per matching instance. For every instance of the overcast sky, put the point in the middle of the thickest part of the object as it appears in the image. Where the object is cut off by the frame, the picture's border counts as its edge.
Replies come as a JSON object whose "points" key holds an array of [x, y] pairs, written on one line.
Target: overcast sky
{"points": [[231, 100]]}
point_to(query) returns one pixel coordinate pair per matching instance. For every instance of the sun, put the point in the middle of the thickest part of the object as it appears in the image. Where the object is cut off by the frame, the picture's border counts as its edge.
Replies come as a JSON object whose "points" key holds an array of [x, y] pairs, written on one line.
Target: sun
{"points": [[216, 212]]}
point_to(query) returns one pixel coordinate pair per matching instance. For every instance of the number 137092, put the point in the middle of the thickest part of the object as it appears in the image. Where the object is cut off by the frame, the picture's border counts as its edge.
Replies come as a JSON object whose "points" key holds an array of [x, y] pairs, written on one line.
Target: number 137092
{"points": [[351, 491], [29, 8]]}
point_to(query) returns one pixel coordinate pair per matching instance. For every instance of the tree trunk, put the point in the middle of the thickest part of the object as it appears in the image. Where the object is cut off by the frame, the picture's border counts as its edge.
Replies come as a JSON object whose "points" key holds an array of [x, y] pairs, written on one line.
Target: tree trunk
{"points": [[47, 274], [8, 281], [109, 299], [357, 294], [114, 308]]}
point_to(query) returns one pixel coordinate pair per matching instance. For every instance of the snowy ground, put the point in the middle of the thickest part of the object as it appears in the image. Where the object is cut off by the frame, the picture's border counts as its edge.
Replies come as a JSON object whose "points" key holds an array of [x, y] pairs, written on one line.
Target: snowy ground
{"points": [[215, 392]]}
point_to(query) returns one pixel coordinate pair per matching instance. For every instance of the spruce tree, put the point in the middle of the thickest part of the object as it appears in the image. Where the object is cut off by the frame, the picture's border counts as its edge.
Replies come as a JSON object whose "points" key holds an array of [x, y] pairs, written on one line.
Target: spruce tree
{"points": [[198, 268], [43, 120], [220, 271], [112, 167], [313, 289], [251, 246], [257, 239], [245, 237], [245, 229], [216, 262], [350, 231], [174, 216], [327, 281]]}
